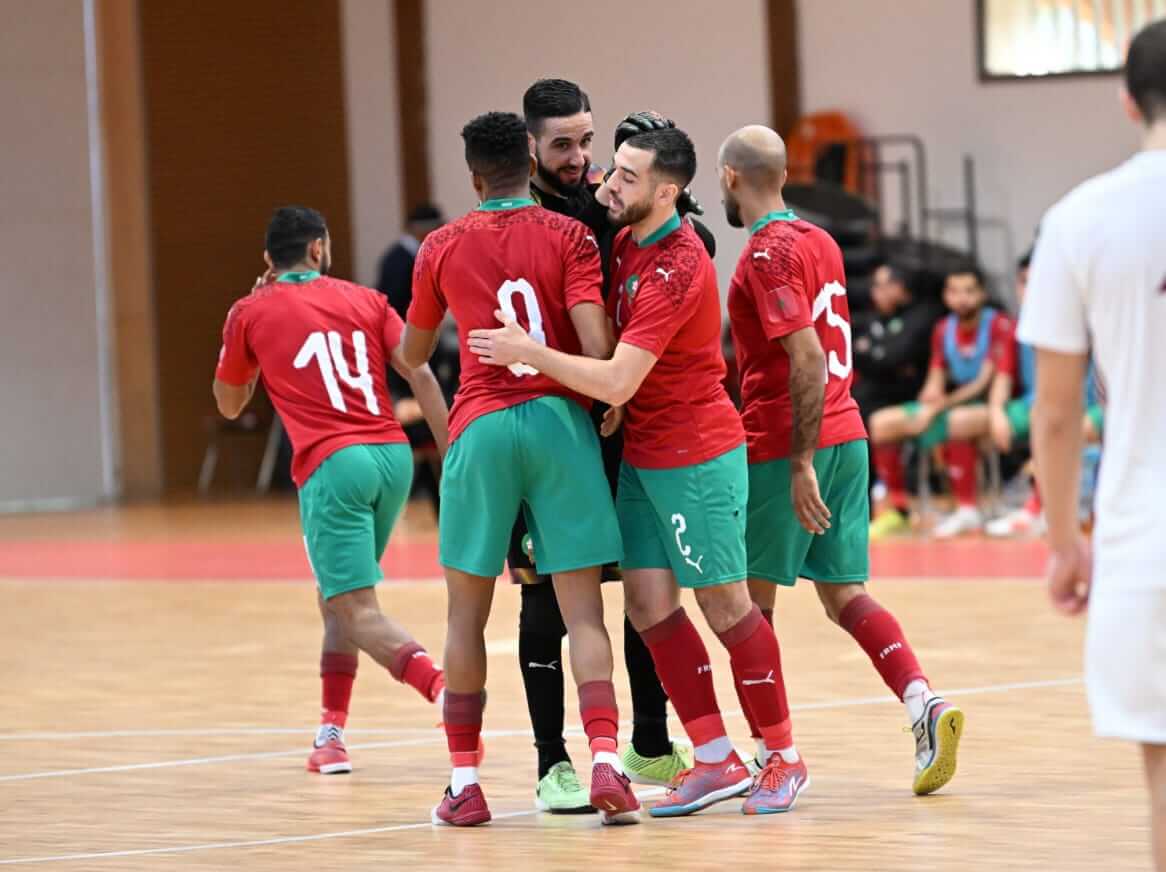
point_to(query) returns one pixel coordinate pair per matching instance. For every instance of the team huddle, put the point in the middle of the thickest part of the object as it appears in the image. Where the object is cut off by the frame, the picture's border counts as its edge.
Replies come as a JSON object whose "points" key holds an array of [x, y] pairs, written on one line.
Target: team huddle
{"points": [[591, 408]]}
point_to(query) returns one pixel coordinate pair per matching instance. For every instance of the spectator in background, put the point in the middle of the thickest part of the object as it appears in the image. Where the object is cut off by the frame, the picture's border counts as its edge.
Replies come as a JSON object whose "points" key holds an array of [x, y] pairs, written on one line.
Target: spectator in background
{"points": [[395, 275], [891, 343]]}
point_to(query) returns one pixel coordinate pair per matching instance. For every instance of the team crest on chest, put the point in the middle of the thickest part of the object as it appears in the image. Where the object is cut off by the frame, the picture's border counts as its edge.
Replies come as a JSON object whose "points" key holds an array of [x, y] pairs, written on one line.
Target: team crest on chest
{"points": [[631, 286]]}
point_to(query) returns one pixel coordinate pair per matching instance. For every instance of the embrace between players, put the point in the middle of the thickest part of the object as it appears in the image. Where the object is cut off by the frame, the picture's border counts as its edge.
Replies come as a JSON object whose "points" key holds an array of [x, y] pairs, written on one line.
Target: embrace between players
{"points": [[603, 293]]}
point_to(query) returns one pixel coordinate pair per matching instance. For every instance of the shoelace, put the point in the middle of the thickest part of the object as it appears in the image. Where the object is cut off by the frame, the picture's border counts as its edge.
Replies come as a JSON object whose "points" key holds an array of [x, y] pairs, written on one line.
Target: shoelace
{"points": [[678, 780], [567, 781], [772, 777], [332, 734]]}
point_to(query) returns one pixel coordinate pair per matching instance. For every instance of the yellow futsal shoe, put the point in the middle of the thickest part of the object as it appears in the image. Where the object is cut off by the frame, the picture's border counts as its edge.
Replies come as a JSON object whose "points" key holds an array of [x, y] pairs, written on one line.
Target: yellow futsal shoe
{"points": [[937, 741]]}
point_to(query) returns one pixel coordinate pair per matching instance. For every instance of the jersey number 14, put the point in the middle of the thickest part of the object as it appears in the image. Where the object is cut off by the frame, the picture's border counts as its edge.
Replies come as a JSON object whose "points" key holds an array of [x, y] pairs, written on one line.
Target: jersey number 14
{"points": [[328, 352]]}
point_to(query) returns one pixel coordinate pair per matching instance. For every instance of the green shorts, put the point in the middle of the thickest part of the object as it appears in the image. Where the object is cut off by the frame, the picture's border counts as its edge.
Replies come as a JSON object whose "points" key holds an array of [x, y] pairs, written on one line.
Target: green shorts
{"points": [[1019, 414], [542, 456], [936, 432], [781, 550], [690, 519], [347, 509]]}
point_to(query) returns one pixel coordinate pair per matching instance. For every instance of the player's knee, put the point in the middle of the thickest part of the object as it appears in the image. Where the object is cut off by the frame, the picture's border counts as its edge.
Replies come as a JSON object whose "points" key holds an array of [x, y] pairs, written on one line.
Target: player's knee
{"points": [[836, 597], [539, 612], [349, 609], [724, 605]]}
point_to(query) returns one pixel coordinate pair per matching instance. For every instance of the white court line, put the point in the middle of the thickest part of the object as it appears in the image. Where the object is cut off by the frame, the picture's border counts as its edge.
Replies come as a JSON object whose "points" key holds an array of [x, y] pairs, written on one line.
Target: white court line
{"points": [[435, 737], [259, 843]]}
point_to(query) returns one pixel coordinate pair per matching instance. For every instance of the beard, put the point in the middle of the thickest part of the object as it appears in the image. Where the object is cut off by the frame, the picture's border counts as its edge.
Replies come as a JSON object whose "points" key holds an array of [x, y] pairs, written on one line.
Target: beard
{"points": [[631, 214], [733, 212], [551, 179]]}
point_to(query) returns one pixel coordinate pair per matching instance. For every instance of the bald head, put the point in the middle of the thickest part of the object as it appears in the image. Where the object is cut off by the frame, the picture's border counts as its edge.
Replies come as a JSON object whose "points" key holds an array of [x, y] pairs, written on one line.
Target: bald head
{"points": [[757, 154]]}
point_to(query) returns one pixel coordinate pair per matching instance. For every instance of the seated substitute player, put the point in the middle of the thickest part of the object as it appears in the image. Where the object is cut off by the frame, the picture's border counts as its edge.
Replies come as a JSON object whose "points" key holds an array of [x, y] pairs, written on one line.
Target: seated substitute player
{"points": [[519, 440], [320, 345], [683, 485], [967, 349], [808, 469]]}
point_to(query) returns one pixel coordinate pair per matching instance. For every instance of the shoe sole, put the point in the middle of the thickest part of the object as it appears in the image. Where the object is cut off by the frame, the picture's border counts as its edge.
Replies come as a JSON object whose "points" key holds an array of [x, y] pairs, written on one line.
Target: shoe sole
{"points": [[543, 805], [441, 822], [332, 769], [623, 818], [789, 808], [949, 729], [702, 803]]}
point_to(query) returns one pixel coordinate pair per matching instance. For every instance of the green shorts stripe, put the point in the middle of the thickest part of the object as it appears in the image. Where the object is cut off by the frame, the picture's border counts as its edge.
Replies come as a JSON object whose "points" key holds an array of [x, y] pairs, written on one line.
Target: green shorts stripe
{"points": [[541, 456], [690, 519], [781, 550], [348, 507]]}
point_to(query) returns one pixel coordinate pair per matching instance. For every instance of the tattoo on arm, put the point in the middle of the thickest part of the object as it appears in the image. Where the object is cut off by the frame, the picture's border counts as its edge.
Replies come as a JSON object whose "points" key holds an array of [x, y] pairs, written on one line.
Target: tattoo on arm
{"points": [[807, 392]]}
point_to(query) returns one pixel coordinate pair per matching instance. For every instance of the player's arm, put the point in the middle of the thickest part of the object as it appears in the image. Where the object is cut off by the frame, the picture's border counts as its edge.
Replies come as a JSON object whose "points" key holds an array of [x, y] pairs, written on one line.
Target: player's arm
{"points": [[233, 399], [427, 393], [237, 370], [417, 344], [1057, 441], [807, 390], [426, 311], [594, 330]]}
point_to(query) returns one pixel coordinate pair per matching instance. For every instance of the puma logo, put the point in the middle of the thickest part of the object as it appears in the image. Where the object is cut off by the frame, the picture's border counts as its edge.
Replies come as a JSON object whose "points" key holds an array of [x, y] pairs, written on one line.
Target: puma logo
{"points": [[695, 564], [666, 273], [553, 665], [749, 682], [762, 255]]}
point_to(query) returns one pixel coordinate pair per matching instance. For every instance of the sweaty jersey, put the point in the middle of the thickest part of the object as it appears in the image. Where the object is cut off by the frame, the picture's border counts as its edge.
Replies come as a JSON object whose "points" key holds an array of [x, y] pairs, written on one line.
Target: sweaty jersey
{"points": [[320, 345], [664, 299], [1098, 280], [789, 277], [962, 350], [518, 257]]}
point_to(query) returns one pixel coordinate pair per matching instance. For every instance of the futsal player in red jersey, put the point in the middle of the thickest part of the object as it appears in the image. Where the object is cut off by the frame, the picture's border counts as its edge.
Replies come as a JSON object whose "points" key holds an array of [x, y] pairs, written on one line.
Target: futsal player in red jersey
{"points": [[808, 469], [320, 345]]}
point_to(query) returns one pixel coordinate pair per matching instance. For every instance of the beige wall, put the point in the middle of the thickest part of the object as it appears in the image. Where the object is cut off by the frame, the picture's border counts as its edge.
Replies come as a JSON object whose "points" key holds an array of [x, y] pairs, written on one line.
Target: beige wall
{"points": [[696, 63], [912, 68], [54, 449]]}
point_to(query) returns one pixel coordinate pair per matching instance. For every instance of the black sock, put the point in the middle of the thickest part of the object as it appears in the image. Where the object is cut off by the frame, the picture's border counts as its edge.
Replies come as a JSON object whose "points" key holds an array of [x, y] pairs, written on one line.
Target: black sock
{"points": [[540, 655], [649, 702]]}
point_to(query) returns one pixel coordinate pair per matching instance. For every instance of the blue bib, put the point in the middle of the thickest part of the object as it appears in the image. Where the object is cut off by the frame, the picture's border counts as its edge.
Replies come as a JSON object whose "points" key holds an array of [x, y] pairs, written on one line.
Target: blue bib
{"points": [[965, 369], [1027, 371]]}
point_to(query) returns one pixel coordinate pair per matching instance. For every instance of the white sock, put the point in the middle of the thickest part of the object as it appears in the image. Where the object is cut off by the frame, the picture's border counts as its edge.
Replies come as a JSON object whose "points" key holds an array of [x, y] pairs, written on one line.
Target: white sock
{"points": [[789, 755], [327, 733], [916, 697], [762, 752], [462, 777], [715, 751], [609, 758]]}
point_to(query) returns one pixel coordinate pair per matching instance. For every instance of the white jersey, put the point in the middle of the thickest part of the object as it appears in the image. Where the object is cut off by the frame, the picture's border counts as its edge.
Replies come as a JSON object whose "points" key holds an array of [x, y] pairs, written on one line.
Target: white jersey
{"points": [[1098, 283]]}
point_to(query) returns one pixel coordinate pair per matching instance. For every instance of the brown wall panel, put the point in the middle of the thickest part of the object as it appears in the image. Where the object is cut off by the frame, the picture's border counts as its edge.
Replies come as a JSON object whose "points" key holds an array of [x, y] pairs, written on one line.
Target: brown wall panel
{"points": [[784, 70], [244, 112]]}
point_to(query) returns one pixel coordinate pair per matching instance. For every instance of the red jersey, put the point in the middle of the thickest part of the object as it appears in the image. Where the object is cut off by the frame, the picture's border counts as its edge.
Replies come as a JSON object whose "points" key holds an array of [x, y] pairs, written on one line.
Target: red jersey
{"points": [[321, 345], [664, 300], [789, 277], [1000, 345], [516, 256]]}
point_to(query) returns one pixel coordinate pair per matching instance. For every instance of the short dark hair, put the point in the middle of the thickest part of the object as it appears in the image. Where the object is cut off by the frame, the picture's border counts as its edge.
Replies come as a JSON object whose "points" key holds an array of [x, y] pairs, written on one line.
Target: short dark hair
{"points": [[426, 213], [968, 269], [289, 233], [552, 98], [1146, 71], [1024, 261], [674, 155], [497, 149]]}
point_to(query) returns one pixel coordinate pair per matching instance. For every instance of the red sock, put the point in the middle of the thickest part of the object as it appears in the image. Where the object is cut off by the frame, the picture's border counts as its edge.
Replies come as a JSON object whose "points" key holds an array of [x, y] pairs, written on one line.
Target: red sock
{"points": [[888, 462], [962, 458], [337, 673], [1033, 504], [462, 714], [600, 715], [756, 660], [881, 637], [412, 666], [682, 663]]}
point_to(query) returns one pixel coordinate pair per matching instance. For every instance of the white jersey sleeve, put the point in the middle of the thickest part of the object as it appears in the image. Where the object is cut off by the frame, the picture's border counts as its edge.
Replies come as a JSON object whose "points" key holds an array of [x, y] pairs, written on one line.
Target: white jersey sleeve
{"points": [[1054, 315]]}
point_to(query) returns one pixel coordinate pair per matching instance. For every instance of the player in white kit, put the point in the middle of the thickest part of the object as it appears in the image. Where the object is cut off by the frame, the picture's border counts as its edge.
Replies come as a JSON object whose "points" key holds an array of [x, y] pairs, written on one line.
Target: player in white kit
{"points": [[1098, 282]]}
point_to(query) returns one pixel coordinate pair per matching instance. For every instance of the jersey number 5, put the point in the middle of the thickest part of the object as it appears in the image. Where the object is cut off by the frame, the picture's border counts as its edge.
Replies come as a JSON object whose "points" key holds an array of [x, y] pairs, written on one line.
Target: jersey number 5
{"points": [[328, 352], [823, 304], [522, 288]]}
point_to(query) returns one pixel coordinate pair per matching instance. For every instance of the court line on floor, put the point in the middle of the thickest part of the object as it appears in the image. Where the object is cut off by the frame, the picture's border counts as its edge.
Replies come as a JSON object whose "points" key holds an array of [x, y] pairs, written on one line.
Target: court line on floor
{"points": [[436, 737]]}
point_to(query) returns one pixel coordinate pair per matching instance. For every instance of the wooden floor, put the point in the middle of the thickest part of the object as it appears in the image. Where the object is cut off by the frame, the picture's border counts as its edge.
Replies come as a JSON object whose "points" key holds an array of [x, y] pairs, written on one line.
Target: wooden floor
{"points": [[155, 725]]}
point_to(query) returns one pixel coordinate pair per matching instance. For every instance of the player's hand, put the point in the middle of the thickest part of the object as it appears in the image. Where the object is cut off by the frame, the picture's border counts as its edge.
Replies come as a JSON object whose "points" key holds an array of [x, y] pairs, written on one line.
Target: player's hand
{"points": [[612, 420], [1070, 576], [807, 499], [1000, 430], [501, 346], [640, 122], [407, 411], [924, 416], [266, 279]]}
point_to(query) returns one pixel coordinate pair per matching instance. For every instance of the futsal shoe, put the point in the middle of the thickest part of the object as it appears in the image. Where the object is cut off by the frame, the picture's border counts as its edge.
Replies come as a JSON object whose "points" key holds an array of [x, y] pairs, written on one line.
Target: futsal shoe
{"points": [[611, 793], [937, 740], [965, 519], [467, 809], [560, 792], [776, 787], [888, 522], [656, 771], [702, 785], [331, 758]]}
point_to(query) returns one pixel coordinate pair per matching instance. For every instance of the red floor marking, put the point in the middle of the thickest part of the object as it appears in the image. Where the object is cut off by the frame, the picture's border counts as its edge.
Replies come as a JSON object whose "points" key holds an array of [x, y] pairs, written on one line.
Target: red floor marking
{"points": [[210, 560]]}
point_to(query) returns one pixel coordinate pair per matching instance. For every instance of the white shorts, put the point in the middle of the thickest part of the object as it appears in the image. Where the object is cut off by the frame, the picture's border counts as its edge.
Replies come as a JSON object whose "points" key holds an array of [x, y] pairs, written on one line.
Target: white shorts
{"points": [[1125, 664]]}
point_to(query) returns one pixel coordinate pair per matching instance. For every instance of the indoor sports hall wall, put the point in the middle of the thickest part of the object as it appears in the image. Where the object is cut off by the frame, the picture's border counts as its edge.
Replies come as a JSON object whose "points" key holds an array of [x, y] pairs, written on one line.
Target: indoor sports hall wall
{"points": [[707, 69], [912, 68], [54, 449]]}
